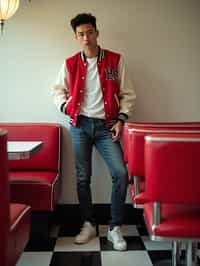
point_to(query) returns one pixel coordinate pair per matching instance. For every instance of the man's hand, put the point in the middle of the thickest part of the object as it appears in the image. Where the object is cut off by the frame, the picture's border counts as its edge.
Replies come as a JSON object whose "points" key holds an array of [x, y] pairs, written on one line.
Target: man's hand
{"points": [[117, 130]]}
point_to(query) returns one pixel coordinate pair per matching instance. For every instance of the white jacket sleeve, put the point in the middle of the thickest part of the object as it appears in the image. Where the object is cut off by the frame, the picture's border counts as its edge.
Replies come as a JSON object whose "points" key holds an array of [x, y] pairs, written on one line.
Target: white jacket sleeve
{"points": [[60, 89], [127, 93]]}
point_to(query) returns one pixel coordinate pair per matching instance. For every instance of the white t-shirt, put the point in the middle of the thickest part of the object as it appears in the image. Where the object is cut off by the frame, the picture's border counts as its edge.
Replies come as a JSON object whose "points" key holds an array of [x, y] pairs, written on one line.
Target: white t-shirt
{"points": [[92, 104]]}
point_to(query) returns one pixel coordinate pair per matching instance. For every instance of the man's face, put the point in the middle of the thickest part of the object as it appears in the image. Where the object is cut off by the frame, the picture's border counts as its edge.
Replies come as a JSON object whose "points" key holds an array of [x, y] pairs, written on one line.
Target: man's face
{"points": [[87, 36]]}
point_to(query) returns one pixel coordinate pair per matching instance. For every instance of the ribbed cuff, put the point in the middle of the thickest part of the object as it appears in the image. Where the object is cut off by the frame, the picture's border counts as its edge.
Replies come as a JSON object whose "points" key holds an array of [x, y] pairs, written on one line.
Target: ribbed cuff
{"points": [[122, 117], [62, 107]]}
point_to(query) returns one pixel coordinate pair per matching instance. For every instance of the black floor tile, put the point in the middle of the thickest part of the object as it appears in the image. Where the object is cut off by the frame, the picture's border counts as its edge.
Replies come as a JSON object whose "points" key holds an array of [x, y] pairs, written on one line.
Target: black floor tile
{"points": [[133, 243], [69, 230], [76, 259], [159, 255], [164, 256], [133, 215], [142, 230], [41, 244]]}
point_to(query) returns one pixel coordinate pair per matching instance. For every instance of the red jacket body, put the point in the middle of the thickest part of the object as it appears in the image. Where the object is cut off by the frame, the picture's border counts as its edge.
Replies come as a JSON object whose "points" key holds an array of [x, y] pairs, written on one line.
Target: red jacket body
{"points": [[107, 64]]}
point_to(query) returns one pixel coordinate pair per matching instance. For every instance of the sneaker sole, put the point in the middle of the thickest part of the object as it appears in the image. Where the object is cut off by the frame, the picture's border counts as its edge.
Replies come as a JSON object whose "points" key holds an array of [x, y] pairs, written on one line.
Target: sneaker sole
{"points": [[79, 242]]}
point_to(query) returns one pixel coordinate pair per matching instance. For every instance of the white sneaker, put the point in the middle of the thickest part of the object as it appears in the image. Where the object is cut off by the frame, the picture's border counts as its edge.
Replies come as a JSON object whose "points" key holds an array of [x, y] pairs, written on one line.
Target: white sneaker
{"points": [[115, 236], [87, 233]]}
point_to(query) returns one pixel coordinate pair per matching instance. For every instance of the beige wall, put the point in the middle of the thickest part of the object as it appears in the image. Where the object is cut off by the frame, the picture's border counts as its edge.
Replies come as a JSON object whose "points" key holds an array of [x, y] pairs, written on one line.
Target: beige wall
{"points": [[159, 39]]}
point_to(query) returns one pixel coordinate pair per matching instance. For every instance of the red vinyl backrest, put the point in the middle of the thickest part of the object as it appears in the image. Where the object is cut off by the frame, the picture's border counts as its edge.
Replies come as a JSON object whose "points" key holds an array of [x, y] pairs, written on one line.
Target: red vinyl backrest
{"points": [[135, 142], [48, 158], [163, 124], [4, 199], [172, 168], [152, 125]]}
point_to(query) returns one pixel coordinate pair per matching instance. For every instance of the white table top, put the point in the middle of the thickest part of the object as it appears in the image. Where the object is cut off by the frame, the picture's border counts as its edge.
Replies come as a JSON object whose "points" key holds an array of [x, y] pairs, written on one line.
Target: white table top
{"points": [[18, 150]]}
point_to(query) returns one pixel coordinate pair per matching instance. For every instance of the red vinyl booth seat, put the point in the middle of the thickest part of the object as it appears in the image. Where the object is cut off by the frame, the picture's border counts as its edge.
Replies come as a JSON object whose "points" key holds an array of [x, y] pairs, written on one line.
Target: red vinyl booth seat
{"points": [[34, 181], [38, 188], [4, 200], [15, 218], [19, 231], [172, 174], [134, 134], [175, 222], [126, 127]]}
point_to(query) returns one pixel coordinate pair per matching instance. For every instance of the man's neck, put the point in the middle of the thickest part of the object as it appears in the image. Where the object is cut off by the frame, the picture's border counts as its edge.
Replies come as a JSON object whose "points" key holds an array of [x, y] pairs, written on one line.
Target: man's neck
{"points": [[91, 52]]}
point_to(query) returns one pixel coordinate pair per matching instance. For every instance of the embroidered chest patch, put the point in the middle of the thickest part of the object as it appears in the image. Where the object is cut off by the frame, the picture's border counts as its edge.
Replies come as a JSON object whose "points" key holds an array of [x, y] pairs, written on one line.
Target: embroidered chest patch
{"points": [[111, 74]]}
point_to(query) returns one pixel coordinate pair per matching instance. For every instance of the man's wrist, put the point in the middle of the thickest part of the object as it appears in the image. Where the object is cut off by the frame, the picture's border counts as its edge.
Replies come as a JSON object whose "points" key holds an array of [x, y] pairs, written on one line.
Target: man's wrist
{"points": [[120, 120]]}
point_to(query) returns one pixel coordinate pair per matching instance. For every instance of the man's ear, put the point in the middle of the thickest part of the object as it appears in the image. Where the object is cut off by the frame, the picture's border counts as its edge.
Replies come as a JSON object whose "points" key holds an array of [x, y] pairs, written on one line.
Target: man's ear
{"points": [[97, 31]]}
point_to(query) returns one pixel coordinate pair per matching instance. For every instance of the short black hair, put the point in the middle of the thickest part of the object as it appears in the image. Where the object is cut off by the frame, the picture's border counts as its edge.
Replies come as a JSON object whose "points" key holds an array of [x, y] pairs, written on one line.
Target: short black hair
{"points": [[83, 18]]}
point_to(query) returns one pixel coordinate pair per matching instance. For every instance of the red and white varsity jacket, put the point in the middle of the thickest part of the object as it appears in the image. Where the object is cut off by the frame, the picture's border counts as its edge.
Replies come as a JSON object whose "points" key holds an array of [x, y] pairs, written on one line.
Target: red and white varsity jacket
{"points": [[117, 90]]}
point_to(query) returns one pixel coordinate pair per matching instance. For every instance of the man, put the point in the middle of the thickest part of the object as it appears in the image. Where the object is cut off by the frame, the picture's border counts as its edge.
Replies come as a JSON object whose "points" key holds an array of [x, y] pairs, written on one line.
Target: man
{"points": [[93, 89]]}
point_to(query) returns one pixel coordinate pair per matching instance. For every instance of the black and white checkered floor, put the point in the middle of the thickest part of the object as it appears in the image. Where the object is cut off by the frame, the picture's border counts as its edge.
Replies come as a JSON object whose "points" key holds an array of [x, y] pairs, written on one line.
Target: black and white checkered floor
{"points": [[59, 249]]}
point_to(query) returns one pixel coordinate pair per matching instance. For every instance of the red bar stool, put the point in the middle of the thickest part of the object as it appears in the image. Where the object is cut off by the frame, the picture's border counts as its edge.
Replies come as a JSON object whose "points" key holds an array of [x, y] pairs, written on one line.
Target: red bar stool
{"points": [[173, 187]]}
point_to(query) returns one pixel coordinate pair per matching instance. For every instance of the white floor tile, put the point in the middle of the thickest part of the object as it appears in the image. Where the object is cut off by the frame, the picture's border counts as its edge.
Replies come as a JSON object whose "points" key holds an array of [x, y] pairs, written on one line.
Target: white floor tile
{"points": [[156, 245], [67, 244], [127, 230], [35, 259], [125, 258], [130, 230]]}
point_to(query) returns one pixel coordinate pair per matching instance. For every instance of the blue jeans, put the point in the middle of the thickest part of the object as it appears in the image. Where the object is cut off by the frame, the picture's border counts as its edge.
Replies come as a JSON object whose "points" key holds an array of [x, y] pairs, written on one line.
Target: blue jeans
{"points": [[91, 132]]}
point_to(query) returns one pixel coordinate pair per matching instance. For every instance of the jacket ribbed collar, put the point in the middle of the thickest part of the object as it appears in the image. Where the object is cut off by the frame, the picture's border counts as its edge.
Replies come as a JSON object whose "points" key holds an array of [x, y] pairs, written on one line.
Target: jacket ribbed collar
{"points": [[99, 58]]}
